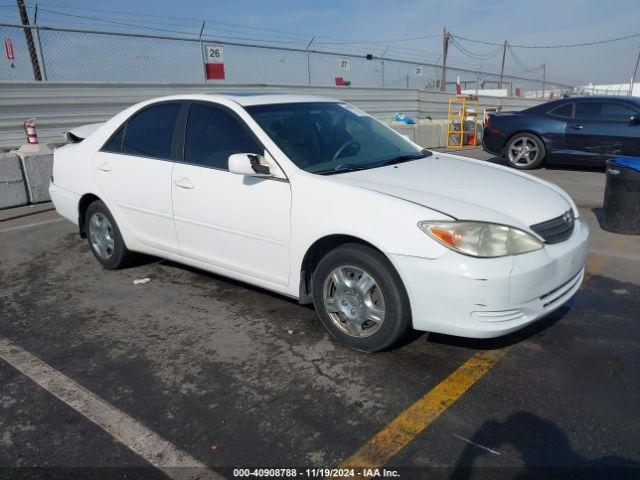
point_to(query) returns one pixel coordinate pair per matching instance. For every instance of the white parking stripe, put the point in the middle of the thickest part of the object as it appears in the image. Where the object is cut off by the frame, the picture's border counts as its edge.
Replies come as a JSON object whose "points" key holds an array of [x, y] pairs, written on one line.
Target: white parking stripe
{"points": [[29, 225], [152, 447]]}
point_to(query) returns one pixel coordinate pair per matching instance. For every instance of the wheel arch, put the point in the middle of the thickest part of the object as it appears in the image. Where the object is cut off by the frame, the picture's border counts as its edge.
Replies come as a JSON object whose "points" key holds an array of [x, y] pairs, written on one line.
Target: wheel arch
{"points": [[86, 200], [316, 251]]}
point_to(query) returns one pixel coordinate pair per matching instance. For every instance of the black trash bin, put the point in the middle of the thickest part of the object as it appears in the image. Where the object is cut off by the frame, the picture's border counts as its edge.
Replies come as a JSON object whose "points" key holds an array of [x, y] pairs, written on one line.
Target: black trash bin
{"points": [[622, 196]]}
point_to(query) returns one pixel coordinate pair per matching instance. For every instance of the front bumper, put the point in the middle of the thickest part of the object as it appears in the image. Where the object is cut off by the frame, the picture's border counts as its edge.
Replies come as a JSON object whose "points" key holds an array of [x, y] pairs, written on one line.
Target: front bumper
{"points": [[482, 298]]}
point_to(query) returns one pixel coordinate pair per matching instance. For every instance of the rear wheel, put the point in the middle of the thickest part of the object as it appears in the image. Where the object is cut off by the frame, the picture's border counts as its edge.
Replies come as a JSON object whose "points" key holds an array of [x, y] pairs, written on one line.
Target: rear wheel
{"points": [[525, 151], [105, 239], [360, 298]]}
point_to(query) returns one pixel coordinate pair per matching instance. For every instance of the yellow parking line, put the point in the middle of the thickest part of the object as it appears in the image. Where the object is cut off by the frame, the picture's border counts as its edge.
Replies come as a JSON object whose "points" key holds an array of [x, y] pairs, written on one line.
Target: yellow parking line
{"points": [[405, 427], [402, 429]]}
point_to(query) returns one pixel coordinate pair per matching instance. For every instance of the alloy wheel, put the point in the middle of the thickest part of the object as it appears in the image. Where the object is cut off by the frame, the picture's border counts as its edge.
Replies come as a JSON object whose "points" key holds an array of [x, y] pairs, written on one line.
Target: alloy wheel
{"points": [[101, 235], [523, 151], [354, 301]]}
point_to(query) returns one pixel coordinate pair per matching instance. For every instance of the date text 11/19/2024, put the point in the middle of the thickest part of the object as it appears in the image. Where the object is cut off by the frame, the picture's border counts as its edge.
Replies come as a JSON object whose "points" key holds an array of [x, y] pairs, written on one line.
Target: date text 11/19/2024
{"points": [[315, 473]]}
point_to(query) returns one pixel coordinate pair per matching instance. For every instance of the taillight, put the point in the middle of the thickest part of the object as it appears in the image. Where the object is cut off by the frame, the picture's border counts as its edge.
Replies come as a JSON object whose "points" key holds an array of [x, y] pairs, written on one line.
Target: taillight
{"points": [[487, 127]]}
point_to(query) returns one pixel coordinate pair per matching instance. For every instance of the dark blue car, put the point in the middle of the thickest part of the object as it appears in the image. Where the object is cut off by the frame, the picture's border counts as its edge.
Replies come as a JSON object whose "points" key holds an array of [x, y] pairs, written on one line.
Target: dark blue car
{"points": [[585, 130]]}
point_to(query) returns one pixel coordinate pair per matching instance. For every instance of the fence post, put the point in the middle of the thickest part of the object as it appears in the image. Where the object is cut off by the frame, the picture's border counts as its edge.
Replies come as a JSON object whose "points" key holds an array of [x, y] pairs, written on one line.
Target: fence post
{"points": [[382, 63], [203, 52], [41, 55], [308, 61], [28, 35]]}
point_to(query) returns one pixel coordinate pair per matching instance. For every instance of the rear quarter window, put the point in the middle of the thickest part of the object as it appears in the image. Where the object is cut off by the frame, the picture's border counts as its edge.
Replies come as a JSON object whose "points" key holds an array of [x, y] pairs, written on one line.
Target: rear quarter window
{"points": [[114, 145], [564, 111]]}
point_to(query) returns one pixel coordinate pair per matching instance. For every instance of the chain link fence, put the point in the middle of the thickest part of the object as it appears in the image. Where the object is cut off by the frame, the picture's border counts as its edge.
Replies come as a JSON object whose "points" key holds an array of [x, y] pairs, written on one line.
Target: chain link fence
{"points": [[74, 55]]}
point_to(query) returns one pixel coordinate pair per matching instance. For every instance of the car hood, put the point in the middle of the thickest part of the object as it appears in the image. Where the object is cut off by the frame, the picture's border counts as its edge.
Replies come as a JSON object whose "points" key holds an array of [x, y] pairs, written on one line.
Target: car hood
{"points": [[464, 189]]}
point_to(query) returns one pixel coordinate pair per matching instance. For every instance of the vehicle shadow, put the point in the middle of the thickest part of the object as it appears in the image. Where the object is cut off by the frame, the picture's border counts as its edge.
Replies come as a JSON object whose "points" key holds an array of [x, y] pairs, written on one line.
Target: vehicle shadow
{"points": [[553, 166], [228, 281], [408, 339], [545, 450], [598, 212]]}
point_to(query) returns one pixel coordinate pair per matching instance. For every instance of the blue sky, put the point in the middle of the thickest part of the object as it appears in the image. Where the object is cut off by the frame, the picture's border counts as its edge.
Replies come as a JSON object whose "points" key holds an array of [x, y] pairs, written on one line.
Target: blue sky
{"points": [[519, 22]]}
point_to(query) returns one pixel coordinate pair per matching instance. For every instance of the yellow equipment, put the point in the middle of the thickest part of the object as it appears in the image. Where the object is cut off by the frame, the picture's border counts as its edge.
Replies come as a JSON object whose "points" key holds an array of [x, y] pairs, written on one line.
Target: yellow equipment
{"points": [[462, 125]]}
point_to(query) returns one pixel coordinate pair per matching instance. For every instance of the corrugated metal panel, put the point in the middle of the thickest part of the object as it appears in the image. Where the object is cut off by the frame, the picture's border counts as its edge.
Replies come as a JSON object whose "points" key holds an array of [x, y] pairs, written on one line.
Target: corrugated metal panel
{"points": [[61, 106]]}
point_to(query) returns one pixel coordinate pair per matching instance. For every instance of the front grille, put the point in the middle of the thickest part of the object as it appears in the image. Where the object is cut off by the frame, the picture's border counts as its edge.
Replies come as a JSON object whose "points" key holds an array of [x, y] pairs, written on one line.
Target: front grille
{"points": [[557, 229]]}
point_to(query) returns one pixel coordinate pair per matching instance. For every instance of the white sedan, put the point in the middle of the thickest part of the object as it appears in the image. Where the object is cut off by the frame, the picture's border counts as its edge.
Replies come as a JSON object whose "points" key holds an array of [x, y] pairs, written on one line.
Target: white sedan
{"points": [[315, 199]]}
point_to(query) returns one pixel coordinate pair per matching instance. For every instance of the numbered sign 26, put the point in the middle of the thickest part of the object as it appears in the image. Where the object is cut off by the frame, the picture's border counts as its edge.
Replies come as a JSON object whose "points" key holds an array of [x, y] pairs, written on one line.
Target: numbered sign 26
{"points": [[343, 63], [215, 54], [214, 62]]}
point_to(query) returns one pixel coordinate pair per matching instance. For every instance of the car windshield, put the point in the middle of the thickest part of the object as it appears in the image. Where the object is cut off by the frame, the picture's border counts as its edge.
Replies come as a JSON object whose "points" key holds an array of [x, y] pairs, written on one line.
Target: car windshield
{"points": [[330, 138]]}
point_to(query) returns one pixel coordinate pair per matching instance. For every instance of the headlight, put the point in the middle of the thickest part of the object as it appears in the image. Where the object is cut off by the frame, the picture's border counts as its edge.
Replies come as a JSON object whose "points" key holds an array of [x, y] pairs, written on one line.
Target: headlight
{"points": [[481, 239]]}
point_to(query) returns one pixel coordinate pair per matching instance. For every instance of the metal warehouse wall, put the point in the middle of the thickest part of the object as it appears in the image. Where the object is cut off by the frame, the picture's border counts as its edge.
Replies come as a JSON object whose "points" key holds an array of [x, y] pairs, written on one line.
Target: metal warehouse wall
{"points": [[59, 106]]}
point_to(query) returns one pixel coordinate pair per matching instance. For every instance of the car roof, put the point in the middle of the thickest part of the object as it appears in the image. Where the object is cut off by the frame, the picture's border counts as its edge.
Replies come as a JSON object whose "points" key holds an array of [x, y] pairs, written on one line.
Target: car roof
{"points": [[544, 107], [600, 98], [247, 99]]}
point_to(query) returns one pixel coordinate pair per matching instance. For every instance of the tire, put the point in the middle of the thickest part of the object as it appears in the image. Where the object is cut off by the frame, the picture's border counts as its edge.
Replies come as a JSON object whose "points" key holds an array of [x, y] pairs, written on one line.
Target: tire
{"points": [[104, 237], [334, 304], [525, 151]]}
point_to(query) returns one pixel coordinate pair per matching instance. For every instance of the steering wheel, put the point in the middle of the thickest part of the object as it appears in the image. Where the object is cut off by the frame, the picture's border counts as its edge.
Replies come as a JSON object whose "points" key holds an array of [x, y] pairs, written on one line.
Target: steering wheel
{"points": [[342, 147]]}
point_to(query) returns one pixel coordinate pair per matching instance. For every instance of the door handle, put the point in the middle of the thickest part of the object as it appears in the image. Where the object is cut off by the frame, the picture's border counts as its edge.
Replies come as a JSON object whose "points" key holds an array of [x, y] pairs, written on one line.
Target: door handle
{"points": [[577, 127], [104, 166], [184, 183]]}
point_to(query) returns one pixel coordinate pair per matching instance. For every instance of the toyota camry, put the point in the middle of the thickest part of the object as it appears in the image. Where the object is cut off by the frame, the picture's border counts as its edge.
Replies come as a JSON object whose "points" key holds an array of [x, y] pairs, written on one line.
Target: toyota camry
{"points": [[317, 200]]}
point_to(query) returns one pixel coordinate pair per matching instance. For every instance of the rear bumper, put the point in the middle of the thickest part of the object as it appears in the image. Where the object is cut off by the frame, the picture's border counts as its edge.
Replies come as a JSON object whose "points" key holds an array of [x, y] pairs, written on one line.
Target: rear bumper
{"points": [[483, 298], [493, 143], [65, 201]]}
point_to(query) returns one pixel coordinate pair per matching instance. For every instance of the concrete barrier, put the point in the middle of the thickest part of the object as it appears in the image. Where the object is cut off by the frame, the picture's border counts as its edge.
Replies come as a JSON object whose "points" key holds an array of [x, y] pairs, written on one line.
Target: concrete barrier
{"points": [[443, 132], [13, 192], [37, 172], [405, 129], [428, 134]]}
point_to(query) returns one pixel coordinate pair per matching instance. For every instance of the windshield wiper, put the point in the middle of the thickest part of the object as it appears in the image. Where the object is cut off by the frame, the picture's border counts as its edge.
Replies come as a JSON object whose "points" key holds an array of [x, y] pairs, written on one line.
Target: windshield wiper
{"points": [[402, 158], [343, 167], [352, 167]]}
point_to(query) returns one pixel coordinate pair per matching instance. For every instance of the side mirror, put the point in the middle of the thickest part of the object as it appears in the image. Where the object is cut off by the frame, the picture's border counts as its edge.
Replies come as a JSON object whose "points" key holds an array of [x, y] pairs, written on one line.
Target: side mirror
{"points": [[249, 164], [634, 120]]}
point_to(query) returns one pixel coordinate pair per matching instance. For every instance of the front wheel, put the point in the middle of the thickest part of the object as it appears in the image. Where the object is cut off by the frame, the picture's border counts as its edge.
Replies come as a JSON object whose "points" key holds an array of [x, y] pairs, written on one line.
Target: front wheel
{"points": [[525, 151], [360, 298]]}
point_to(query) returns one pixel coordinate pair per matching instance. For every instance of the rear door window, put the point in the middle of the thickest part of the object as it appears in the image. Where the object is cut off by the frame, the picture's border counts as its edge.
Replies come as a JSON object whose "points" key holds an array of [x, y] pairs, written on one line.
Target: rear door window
{"points": [[150, 132]]}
